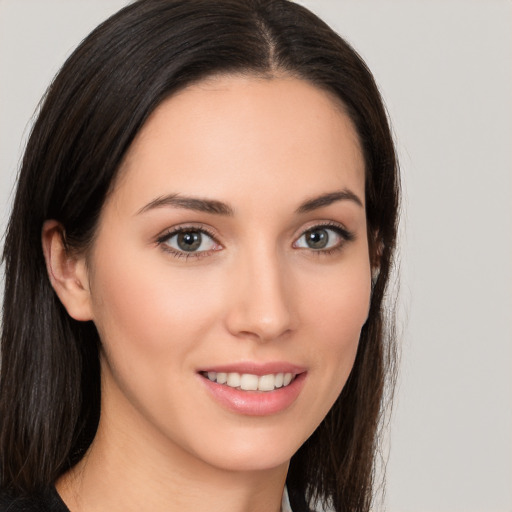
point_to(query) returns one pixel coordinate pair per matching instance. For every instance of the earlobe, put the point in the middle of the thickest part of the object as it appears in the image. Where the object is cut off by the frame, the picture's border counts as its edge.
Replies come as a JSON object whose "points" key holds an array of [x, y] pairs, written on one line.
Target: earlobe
{"points": [[67, 272]]}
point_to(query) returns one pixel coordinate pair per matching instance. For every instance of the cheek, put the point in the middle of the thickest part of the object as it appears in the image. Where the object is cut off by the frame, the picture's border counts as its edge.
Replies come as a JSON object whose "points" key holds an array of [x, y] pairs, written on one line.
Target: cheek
{"points": [[145, 309], [345, 311], [336, 315], [337, 302]]}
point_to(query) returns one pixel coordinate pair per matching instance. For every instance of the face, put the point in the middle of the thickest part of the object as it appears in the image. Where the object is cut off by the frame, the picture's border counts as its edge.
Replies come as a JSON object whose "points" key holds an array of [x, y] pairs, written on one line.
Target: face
{"points": [[230, 276]]}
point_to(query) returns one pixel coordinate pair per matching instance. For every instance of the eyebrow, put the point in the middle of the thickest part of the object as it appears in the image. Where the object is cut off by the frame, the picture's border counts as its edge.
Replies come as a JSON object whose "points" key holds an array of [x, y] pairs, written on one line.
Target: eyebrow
{"points": [[327, 199], [189, 203], [220, 208]]}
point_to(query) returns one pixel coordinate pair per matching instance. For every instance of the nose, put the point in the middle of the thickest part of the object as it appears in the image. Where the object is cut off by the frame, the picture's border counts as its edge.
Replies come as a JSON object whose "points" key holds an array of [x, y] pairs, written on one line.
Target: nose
{"points": [[261, 303]]}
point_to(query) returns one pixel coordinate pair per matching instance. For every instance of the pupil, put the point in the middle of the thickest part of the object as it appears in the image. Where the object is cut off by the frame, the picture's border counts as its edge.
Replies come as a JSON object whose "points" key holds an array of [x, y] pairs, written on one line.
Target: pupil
{"points": [[317, 239], [189, 240]]}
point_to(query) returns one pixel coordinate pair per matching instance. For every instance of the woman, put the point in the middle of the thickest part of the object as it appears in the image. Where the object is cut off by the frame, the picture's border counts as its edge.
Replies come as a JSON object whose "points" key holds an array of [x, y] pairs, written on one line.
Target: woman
{"points": [[196, 262]]}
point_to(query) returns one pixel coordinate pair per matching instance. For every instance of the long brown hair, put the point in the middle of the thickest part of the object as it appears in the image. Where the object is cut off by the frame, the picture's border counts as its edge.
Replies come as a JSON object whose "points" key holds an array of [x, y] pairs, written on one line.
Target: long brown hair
{"points": [[49, 381]]}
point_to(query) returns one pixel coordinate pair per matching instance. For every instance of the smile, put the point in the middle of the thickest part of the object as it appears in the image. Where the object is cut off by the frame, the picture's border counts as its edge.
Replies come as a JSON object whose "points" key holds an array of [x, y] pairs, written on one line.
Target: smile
{"points": [[251, 382]]}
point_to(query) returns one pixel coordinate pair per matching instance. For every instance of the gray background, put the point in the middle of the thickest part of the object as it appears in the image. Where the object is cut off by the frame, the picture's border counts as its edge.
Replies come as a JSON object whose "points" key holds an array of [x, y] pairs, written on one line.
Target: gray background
{"points": [[445, 70]]}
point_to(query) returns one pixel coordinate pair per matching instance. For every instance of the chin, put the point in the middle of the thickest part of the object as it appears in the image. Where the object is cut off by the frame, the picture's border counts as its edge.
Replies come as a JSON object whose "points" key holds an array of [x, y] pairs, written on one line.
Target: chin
{"points": [[245, 463], [246, 454]]}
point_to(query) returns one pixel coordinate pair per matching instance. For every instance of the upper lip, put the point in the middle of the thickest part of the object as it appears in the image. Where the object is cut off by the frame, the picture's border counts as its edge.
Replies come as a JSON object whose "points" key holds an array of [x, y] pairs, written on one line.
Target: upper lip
{"points": [[256, 368]]}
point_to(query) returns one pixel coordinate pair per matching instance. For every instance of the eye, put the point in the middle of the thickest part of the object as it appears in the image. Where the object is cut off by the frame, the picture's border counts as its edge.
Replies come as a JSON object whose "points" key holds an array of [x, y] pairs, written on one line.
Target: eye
{"points": [[321, 238], [188, 240]]}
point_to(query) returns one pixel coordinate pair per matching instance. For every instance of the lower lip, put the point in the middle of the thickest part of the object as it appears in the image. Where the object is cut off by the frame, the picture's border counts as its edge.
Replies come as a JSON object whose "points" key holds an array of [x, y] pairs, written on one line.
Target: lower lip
{"points": [[255, 403]]}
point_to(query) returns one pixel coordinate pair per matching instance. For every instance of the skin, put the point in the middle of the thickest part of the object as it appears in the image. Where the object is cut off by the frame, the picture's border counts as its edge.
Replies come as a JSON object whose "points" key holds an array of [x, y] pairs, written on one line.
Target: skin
{"points": [[259, 293]]}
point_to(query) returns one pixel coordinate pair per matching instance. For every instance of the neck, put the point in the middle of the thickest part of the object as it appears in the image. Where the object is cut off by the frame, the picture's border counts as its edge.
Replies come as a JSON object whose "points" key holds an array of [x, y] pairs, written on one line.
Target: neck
{"points": [[131, 469]]}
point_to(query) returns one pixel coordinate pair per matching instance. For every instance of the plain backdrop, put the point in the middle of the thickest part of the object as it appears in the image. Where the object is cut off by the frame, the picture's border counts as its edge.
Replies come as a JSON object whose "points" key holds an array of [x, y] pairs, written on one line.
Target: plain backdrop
{"points": [[445, 70]]}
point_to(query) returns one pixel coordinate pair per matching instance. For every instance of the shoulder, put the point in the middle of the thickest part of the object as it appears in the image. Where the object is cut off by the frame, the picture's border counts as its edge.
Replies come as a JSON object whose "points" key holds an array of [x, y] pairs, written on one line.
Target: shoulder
{"points": [[48, 501]]}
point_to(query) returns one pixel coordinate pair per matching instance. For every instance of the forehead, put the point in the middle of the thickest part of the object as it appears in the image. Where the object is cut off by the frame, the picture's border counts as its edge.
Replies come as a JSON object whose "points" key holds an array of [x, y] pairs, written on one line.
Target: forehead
{"points": [[235, 135]]}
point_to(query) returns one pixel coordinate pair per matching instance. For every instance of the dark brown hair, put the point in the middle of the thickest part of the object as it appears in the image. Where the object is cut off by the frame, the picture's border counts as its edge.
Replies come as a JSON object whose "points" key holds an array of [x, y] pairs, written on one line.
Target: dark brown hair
{"points": [[104, 93]]}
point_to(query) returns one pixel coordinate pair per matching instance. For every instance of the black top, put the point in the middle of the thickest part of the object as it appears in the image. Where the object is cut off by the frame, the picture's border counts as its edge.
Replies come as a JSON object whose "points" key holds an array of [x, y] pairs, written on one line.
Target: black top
{"points": [[50, 501]]}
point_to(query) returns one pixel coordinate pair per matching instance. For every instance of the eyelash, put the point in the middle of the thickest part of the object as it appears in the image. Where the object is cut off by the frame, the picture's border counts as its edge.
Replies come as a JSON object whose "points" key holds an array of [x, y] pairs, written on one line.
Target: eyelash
{"points": [[161, 241], [344, 234]]}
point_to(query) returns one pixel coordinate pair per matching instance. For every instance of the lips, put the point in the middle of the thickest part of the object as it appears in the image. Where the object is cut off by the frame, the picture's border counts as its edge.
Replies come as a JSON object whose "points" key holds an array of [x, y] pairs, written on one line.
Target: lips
{"points": [[254, 389]]}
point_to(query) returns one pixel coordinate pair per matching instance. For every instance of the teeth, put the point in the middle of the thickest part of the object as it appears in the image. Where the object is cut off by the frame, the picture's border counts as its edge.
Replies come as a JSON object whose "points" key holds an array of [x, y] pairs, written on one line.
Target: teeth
{"points": [[267, 383], [250, 382], [233, 380]]}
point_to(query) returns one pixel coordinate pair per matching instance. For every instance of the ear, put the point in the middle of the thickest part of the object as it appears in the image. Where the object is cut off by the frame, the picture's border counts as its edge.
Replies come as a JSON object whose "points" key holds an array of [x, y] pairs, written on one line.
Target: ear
{"points": [[67, 272]]}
